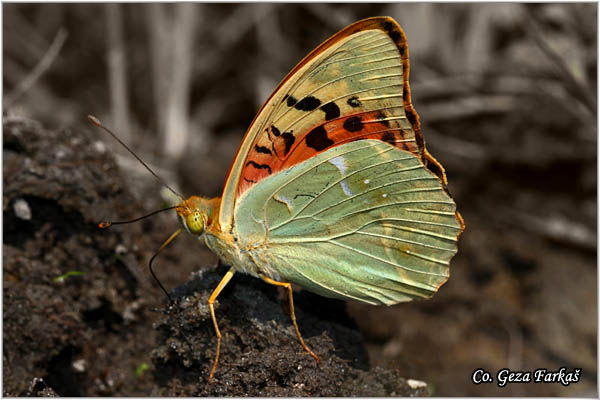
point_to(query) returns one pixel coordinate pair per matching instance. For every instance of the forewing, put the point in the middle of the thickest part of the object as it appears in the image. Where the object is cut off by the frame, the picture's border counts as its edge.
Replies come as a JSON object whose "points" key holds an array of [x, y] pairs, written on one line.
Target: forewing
{"points": [[352, 87], [364, 221]]}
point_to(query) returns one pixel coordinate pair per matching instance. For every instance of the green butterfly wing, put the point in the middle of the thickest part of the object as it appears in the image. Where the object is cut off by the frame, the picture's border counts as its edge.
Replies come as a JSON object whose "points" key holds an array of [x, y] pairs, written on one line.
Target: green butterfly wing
{"points": [[364, 221]]}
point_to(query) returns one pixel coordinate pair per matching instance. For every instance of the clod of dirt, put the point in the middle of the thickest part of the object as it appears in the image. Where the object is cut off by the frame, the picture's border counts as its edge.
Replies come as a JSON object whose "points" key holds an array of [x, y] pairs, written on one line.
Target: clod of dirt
{"points": [[260, 355], [67, 292]]}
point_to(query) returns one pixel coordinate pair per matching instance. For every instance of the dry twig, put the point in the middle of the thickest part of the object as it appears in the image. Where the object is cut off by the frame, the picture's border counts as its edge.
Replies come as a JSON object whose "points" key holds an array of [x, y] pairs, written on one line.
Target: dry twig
{"points": [[38, 70], [554, 227], [573, 85], [117, 67]]}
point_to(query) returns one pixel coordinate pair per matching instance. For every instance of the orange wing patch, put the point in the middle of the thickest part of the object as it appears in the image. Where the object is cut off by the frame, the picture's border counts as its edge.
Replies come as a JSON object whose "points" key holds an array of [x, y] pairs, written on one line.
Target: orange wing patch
{"points": [[286, 149]]}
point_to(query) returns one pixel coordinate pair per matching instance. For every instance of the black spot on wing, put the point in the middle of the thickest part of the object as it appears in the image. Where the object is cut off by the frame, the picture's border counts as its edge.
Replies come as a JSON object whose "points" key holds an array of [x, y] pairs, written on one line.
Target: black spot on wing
{"points": [[412, 117], [288, 139], [290, 100], [353, 102], [259, 166], [312, 196], [317, 139], [393, 33], [353, 124], [262, 149], [249, 180], [331, 111], [275, 131], [271, 140], [382, 119], [389, 137], [435, 168], [308, 103]]}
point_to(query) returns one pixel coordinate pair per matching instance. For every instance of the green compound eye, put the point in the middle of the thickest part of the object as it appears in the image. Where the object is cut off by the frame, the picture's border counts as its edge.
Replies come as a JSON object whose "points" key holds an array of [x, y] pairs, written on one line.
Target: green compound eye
{"points": [[195, 223]]}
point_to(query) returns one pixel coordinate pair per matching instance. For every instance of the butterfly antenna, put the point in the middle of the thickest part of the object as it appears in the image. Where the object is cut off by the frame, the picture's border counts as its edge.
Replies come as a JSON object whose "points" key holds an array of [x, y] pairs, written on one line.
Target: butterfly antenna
{"points": [[97, 122], [108, 224]]}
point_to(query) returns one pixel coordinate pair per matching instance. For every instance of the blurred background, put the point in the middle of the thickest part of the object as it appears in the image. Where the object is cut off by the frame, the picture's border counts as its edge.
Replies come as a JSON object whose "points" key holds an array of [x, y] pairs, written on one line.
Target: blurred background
{"points": [[507, 98]]}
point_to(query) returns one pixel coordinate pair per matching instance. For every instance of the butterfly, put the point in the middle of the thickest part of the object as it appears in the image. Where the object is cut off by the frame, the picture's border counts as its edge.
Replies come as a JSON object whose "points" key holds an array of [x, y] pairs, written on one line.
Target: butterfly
{"points": [[332, 188]]}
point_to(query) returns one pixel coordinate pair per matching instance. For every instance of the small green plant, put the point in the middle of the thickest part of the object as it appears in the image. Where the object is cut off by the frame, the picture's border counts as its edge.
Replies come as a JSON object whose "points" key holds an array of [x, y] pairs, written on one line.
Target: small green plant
{"points": [[140, 370], [61, 279]]}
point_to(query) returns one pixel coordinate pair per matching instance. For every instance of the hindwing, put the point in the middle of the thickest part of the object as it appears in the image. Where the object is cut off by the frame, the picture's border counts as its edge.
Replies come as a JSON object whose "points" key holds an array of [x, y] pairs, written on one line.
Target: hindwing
{"points": [[364, 221]]}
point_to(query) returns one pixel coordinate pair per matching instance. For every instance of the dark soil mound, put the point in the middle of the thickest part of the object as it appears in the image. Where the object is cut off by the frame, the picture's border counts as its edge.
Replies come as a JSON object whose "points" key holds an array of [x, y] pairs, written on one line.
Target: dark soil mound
{"points": [[78, 306]]}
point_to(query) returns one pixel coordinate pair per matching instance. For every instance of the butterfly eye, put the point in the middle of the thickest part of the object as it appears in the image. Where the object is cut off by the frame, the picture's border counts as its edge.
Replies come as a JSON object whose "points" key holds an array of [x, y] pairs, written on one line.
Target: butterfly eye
{"points": [[195, 223]]}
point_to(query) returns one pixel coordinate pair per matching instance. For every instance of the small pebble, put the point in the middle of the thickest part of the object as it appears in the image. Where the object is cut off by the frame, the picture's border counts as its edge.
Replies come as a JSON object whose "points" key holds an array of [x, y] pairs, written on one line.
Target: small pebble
{"points": [[415, 384], [99, 147], [79, 365], [60, 154], [22, 210]]}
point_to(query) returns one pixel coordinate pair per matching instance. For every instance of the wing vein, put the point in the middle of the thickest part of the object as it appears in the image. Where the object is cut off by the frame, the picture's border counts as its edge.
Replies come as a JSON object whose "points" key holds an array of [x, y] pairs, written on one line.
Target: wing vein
{"points": [[404, 228], [359, 56], [380, 187], [394, 264], [399, 203], [404, 241]]}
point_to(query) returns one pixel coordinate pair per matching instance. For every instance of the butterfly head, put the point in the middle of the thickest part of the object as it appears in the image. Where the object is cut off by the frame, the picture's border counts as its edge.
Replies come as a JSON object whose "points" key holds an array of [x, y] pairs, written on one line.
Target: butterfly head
{"points": [[197, 213]]}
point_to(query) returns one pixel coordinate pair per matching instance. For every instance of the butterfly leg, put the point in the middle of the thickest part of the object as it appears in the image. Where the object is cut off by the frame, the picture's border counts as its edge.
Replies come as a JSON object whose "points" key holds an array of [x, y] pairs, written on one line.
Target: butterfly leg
{"points": [[288, 286], [211, 302]]}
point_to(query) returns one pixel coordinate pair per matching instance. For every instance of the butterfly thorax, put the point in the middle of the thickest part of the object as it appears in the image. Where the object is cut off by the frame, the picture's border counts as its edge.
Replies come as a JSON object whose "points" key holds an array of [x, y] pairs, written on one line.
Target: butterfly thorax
{"points": [[238, 253]]}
